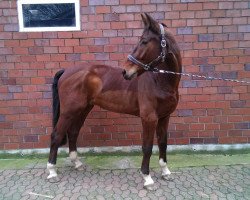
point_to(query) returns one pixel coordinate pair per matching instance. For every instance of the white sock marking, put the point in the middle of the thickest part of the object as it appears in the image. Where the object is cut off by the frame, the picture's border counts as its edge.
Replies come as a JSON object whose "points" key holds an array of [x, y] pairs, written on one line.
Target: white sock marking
{"points": [[148, 180], [52, 170], [164, 168], [74, 158]]}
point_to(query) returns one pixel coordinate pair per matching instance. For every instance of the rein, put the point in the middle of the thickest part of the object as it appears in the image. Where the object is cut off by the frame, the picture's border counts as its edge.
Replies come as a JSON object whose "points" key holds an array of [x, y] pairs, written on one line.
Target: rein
{"points": [[161, 57]]}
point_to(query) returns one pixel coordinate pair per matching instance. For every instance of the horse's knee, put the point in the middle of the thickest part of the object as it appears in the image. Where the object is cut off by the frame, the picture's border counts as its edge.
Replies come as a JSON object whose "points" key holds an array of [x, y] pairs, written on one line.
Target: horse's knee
{"points": [[58, 140], [147, 150], [162, 146]]}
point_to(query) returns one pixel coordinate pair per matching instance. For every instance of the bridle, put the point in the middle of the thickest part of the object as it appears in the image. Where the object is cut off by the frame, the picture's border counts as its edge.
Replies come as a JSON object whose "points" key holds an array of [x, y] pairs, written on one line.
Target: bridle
{"points": [[161, 57]]}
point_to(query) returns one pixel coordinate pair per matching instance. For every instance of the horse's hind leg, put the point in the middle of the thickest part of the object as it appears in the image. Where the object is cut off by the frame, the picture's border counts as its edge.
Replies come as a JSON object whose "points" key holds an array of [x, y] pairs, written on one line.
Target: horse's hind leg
{"points": [[161, 131], [57, 138], [73, 135]]}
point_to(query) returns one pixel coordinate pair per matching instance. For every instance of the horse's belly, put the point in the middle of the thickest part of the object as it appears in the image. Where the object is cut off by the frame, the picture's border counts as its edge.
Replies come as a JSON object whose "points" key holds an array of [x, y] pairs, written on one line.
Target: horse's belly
{"points": [[115, 101]]}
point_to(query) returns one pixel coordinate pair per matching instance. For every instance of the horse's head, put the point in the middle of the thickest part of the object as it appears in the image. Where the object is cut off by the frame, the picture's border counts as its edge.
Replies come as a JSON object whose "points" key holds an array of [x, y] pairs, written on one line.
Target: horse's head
{"points": [[150, 50]]}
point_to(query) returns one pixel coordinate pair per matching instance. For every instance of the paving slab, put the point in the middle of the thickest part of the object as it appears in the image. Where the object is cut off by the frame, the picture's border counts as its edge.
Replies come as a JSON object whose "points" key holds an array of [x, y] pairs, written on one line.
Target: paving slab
{"points": [[206, 182]]}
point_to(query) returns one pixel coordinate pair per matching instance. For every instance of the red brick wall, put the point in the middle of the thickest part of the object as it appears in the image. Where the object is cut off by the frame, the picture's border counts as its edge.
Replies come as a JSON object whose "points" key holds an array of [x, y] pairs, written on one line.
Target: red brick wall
{"points": [[214, 37]]}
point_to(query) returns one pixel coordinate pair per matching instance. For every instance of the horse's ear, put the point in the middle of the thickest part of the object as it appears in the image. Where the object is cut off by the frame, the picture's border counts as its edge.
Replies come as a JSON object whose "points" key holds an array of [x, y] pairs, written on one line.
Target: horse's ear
{"points": [[164, 25], [152, 24], [145, 20]]}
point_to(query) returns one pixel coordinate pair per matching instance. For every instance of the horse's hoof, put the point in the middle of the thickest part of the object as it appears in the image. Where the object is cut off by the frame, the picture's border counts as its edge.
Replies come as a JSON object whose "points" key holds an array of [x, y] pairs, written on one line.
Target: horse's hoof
{"points": [[150, 187], [52, 176], [53, 179], [167, 177], [80, 168], [78, 165]]}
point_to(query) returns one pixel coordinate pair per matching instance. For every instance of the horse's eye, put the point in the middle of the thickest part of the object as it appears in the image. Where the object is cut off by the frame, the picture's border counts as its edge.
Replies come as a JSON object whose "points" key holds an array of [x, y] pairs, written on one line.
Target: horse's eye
{"points": [[144, 41]]}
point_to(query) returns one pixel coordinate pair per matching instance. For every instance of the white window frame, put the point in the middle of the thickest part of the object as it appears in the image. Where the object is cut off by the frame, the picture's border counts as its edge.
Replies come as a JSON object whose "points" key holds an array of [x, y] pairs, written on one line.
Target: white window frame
{"points": [[77, 27]]}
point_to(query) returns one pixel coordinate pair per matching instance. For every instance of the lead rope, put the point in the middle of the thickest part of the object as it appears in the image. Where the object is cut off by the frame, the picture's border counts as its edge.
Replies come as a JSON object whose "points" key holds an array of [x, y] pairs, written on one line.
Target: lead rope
{"points": [[163, 44], [199, 76]]}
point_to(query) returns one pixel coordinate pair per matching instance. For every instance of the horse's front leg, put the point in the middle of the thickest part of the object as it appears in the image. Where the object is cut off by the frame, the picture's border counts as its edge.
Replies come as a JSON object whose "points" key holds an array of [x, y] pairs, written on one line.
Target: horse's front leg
{"points": [[161, 131], [147, 146]]}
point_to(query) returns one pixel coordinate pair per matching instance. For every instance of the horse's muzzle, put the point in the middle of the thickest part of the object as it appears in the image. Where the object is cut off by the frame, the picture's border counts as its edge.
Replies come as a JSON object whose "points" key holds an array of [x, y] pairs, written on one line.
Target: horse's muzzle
{"points": [[125, 76], [128, 76]]}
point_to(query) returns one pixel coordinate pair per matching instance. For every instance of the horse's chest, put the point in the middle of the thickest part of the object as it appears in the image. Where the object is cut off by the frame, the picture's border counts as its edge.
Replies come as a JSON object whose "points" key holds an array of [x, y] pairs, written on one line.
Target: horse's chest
{"points": [[166, 104]]}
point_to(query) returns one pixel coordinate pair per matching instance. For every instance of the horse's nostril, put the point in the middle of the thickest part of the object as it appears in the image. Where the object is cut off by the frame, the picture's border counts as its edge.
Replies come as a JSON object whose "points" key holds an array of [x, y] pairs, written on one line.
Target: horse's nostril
{"points": [[123, 72]]}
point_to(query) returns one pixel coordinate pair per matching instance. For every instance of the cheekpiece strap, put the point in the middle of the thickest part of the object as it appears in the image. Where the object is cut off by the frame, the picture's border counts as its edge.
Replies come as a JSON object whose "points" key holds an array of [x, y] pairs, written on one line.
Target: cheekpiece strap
{"points": [[162, 56], [163, 42]]}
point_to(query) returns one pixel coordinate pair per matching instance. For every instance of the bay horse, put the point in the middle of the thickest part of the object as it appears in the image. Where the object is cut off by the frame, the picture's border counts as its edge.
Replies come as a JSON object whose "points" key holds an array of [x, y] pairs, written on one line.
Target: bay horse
{"points": [[137, 89]]}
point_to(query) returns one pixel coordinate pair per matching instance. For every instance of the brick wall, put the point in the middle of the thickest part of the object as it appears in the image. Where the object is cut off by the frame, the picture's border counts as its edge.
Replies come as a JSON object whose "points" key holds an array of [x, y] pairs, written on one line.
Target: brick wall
{"points": [[214, 37]]}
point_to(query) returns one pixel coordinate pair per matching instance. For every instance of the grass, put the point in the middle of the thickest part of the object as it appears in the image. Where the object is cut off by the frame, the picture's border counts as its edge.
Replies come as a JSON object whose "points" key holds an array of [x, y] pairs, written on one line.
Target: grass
{"points": [[176, 159]]}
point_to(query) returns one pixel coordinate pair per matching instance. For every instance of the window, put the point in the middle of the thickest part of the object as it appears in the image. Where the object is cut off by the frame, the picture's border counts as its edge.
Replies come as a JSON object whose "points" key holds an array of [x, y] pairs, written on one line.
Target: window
{"points": [[48, 15]]}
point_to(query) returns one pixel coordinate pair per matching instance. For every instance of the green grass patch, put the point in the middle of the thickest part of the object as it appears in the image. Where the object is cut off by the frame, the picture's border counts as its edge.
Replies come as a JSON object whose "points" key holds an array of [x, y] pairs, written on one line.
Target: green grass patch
{"points": [[128, 160], [174, 161]]}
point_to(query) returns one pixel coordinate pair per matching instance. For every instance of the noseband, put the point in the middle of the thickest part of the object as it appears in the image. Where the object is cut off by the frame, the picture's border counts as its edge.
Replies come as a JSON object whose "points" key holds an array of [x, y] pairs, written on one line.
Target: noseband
{"points": [[161, 57]]}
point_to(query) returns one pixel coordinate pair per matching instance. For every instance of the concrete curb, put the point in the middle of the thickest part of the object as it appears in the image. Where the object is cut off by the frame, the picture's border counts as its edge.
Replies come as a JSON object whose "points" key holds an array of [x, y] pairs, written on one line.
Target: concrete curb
{"points": [[127, 149]]}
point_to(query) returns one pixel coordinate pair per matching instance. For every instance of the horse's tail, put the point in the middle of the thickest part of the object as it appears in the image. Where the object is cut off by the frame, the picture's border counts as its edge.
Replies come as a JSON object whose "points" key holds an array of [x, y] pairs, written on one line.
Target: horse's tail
{"points": [[56, 103]]}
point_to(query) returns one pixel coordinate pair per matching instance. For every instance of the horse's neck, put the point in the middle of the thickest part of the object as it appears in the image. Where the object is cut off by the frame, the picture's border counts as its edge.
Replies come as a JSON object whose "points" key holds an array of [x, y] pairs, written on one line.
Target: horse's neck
{"points": [[157, 84], [165, 81]]}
